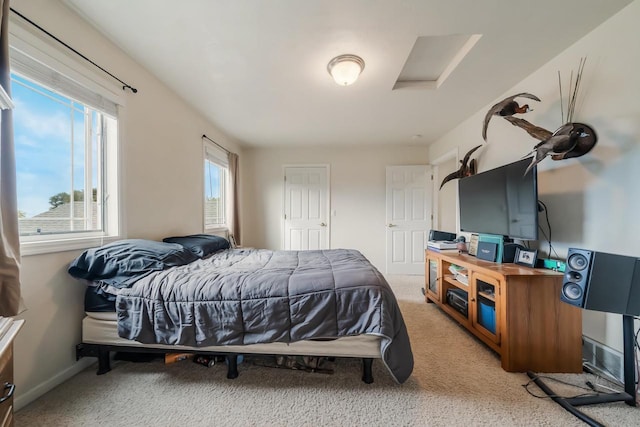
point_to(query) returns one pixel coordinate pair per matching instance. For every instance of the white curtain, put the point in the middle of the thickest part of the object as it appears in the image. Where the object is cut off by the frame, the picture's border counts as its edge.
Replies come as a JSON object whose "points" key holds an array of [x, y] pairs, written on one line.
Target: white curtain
{"points": [[9, 234], [234, 209]]}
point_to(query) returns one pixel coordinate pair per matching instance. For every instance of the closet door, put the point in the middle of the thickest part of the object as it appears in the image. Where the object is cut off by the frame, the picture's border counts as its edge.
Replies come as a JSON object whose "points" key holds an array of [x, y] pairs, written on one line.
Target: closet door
{"points": [[306, 224]]}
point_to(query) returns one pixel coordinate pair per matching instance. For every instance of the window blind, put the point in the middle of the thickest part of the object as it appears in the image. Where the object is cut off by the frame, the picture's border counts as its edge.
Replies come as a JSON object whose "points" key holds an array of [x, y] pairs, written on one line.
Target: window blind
{"points": [[216, 155], [57, 82]]}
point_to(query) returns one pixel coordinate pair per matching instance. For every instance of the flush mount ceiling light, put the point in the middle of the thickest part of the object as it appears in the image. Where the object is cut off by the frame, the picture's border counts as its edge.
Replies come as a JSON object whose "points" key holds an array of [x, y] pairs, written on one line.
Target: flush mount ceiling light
{"points": [[345, 69]]}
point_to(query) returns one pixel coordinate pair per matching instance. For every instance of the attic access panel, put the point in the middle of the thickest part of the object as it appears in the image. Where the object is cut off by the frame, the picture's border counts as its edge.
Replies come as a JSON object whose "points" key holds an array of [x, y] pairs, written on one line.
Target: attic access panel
{"points": [[433, 59]]}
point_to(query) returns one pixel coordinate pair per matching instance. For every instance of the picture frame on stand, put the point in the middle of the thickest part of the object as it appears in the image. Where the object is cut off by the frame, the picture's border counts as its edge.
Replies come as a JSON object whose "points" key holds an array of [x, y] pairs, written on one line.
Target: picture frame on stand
{"points": [[526, 257], [473, 245]]}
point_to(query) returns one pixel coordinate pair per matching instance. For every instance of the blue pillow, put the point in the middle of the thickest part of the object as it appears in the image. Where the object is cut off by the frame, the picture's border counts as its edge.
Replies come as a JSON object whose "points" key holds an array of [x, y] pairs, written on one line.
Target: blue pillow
{"points": [[200, 244], [121, 263]]}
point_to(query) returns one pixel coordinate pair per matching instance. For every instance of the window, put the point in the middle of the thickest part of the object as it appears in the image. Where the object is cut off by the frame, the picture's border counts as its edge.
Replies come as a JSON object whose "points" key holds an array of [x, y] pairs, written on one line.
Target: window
{"points": [[65, 139], [216, 169]]}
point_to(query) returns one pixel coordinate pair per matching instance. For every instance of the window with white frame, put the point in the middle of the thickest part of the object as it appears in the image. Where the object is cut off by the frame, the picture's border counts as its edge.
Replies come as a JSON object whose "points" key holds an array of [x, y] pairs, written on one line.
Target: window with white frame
{"points": [[66, 141], [216, 171]]}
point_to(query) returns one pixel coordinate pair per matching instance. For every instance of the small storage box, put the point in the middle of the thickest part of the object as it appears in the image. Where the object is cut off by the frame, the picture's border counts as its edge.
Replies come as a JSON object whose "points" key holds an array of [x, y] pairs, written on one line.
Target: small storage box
{"points": [[487, 314]]}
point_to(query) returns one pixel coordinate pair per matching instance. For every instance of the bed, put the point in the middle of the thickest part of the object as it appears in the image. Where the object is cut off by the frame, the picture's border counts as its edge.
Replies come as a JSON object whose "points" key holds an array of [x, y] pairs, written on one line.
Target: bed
{"points": [[196, 294]]}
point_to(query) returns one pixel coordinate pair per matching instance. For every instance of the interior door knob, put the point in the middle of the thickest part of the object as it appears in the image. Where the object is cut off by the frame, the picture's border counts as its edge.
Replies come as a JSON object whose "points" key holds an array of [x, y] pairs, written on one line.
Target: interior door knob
{"points": [[322, 224], [391, 225]]}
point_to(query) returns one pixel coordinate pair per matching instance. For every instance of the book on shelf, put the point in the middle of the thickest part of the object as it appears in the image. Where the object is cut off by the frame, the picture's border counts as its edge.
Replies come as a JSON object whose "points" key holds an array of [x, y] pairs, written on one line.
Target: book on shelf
{"points": [[462, 278], [455, 269], [459, 273], [433, 244]]}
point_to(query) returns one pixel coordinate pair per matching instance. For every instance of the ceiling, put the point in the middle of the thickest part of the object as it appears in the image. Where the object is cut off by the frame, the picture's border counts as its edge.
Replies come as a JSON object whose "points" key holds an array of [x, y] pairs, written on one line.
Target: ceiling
{"points": [[258, 69]]}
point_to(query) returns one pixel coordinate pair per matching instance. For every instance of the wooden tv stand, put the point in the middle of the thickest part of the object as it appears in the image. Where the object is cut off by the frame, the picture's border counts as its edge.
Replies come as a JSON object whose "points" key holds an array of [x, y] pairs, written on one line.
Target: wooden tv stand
{"points": [[514, 310]]}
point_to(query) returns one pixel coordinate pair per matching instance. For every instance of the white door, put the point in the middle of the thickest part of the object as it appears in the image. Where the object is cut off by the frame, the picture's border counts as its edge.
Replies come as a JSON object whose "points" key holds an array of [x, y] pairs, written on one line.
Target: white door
{"points": [[408, 217], [306, 224]]}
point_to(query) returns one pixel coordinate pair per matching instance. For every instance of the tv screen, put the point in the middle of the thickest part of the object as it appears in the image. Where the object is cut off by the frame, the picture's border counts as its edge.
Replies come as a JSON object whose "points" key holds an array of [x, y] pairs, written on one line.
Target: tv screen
{"points": [[502, 201]]}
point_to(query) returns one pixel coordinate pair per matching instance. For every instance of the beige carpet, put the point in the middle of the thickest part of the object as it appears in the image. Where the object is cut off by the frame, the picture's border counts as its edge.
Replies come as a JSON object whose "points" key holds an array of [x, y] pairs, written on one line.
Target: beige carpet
{"points": [[456, 381]]}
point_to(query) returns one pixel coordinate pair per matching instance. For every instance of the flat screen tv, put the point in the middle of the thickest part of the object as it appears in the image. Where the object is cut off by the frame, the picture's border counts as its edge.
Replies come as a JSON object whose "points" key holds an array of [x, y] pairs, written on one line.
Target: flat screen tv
{"points": [[501, 201]]}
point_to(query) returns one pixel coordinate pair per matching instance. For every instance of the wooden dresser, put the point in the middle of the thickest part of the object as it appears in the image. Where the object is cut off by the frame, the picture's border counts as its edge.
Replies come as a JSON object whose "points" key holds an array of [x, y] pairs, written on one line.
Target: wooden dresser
{"points": [[514, 310], [6, 373]]}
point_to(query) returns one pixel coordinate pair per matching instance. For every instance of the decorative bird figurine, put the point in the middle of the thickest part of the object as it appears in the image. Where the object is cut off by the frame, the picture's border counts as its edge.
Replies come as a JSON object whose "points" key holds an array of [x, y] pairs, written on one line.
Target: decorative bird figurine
{"points": [[556, 144], [537, 132], [507, 107], [583, 145], [464, 170]]}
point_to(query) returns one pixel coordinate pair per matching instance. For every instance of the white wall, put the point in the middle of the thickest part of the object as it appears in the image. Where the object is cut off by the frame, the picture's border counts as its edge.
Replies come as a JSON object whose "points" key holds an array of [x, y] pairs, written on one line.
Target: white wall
{"points": [[445, 200], [593, 200], [162, 195], [357, 193]]}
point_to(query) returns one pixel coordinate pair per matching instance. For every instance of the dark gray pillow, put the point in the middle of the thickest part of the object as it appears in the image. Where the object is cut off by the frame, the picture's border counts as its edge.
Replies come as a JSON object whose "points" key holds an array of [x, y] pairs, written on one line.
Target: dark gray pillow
{"points": [[121, 263], [200, 244]]}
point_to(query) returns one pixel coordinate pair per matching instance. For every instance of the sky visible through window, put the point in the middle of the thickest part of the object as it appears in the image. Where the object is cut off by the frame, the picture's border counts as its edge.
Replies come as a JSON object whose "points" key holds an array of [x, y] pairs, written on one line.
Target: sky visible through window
{"points": [[43, 122], [212, 180], [214, 194]]}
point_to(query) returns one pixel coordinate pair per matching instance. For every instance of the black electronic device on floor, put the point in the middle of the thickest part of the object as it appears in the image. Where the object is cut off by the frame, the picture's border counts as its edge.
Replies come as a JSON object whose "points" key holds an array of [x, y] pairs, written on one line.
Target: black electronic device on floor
{"points": [[458, 299]]}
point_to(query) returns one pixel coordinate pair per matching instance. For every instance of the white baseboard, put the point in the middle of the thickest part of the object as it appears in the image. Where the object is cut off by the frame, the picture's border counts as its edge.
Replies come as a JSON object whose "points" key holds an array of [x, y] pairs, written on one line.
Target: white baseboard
{"points": [[23, 399]]}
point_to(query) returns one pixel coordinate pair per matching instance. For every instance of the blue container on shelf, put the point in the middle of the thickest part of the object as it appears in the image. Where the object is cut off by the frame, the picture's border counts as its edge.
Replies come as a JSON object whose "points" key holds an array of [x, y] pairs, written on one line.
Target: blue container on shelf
{"points": [[487, 314]]}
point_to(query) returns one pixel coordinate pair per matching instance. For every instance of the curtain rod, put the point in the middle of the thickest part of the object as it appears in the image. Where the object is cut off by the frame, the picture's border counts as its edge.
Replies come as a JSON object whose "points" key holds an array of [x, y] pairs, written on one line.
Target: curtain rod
{"points": [[205, 136], [125, 85]]}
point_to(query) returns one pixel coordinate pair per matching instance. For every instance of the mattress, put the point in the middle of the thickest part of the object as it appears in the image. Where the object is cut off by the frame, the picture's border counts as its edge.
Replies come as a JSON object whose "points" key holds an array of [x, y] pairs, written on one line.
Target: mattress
{"points": [[102, 328]]}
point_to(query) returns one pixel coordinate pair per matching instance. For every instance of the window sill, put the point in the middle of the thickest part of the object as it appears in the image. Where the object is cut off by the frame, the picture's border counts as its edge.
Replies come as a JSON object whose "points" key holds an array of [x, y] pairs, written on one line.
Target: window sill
{"points": [[217, 230], [63, 245]]}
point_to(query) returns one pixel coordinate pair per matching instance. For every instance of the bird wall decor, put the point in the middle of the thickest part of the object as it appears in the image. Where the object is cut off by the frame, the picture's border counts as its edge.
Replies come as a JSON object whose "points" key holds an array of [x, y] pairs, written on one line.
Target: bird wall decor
{"points": [[558, 144], [506, 108], [467, 168], [583, 145], [570, 140], [535, 131]]}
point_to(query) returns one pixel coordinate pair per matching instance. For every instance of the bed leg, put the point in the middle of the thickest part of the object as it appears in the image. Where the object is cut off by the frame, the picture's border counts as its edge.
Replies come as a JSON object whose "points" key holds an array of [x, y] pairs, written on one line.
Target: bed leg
{"points": [[104, 364], [367, 375], [232, 366]]}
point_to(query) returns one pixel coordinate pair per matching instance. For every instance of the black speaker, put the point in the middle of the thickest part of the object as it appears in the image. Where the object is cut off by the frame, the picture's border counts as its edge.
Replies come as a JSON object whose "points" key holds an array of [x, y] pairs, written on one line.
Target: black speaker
{"points": [[602, 282], [436, 236], [509, 253]]}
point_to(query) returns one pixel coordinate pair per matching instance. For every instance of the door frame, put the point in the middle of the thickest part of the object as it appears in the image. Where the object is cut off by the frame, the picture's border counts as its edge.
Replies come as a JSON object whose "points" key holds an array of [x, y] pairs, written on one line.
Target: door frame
{"points": [[327, 168]]}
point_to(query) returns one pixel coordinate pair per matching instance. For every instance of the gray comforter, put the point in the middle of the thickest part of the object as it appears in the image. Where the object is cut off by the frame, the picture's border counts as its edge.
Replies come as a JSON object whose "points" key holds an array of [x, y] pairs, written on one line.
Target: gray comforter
{"points": [[247, 296]]}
